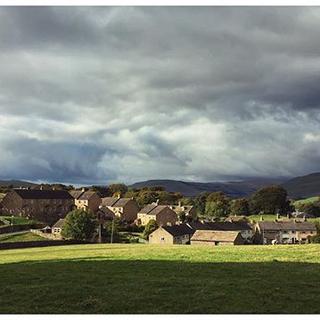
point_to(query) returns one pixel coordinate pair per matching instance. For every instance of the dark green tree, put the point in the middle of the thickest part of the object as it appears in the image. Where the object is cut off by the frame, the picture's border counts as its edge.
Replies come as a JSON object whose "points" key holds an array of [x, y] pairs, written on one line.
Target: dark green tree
{"points": [[79, 225], [217, 205], [150, 227], [118, 188], [270, 200], [239, 207]]}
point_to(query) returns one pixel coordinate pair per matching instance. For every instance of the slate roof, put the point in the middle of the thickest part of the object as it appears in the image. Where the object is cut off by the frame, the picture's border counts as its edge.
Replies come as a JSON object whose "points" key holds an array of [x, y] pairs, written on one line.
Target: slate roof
{"points": [[286, 226], [179, 230], [43, 194], [214, 235], [226, 226], [153, 209], [76, 193], [114, 202], [86, 195], [59, 224]]}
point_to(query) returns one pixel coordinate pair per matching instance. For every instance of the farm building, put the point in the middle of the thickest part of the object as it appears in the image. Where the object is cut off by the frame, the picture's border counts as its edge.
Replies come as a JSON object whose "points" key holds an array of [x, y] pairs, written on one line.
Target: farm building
{"points": [[214, 238], [57, 228], [176, 234]]}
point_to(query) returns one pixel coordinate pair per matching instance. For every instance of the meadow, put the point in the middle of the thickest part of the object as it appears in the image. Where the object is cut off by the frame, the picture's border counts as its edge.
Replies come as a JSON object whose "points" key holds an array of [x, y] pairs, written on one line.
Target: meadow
{"points": [[137, 278]]}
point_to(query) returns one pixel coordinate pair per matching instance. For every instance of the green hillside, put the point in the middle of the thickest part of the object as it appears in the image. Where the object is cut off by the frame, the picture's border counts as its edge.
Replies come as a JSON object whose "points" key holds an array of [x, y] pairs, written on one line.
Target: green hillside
{"points": [[307, 200], [160, 279]]}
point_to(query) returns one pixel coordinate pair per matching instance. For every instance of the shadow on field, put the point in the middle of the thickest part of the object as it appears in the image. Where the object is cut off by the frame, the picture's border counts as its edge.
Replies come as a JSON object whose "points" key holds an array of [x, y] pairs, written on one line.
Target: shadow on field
{"points": [[150, 286]]}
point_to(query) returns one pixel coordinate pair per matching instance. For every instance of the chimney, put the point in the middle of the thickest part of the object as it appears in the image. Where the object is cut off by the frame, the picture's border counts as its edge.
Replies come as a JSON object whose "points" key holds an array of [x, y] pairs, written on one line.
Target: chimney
{"points": [[278, 216], [169, 224], [119, 196], [304, 218], [53, 188], [179, 204], [261, 218], [41, 187], [157, 202], [83, 189]]}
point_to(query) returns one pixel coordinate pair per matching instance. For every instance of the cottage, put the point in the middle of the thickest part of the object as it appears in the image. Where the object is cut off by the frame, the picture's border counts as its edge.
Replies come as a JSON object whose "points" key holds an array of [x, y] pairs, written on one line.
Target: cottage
{"points": [[43, 205], [284, 232], [162, 214], [176, 234], [124, 208], [57, 228], [86, 200], [214, 238]]}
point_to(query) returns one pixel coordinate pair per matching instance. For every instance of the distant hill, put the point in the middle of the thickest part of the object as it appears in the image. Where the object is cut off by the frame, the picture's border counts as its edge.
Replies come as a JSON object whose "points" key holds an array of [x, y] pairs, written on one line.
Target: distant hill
{"points": [[16, 183], [304, 186], [233, 188]]}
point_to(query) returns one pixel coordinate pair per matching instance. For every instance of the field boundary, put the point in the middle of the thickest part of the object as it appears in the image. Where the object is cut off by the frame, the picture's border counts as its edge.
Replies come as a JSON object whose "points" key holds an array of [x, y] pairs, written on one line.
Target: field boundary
{"points": [[33, 244]]}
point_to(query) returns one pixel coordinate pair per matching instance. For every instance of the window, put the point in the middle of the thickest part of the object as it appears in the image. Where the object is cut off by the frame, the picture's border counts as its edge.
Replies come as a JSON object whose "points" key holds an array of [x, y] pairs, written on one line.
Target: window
{"points": [[162, 238]]}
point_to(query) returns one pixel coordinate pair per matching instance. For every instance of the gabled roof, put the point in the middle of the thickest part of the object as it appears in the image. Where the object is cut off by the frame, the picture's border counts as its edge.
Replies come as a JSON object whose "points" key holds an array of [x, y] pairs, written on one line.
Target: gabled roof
{"points": [[76, 193], [59, 224], [286, 226], [115, 202], [43, 194], [226, 226], [214, 235], [153, 209], [178, 230], [86, 195], [148, 208]]}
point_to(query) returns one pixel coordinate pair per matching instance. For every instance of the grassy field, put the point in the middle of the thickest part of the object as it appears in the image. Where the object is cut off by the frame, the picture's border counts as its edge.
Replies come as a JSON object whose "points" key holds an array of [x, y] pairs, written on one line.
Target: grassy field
{"points": [[308, 200], [17, 220], [21, 237], [137, 278]]}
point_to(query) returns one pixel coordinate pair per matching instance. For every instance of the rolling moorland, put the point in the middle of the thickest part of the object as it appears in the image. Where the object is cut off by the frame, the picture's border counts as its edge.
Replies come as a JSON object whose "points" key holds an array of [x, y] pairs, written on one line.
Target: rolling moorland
{"points": [[299, 187], [136, 279]]}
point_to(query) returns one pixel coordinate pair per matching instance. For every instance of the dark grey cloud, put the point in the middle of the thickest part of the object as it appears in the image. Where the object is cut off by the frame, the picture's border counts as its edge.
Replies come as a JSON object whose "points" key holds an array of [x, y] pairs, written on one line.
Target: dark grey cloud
{"points": [[100, 94]]}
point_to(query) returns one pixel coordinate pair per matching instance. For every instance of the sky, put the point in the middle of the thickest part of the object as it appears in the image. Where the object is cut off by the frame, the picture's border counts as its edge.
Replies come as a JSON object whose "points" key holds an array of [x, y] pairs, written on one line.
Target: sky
{"points": [[95, 95]]}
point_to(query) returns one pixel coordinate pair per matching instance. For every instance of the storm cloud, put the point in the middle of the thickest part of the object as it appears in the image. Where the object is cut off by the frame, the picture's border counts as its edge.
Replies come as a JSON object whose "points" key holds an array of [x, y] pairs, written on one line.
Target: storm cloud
{"points": [[93, 95]]}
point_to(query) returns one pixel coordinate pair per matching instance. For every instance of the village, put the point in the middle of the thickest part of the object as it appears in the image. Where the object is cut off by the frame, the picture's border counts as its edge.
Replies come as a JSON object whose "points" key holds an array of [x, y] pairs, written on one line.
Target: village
{"points": [[161, 223]]}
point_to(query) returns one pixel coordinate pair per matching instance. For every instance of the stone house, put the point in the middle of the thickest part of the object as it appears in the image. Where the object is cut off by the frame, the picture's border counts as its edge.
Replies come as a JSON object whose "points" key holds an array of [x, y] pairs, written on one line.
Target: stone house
{"points": [[284, 232], [124, 208], [214, 238], [43, 205], [57, 228], [176, 234], [162, 214], [86, 200]]}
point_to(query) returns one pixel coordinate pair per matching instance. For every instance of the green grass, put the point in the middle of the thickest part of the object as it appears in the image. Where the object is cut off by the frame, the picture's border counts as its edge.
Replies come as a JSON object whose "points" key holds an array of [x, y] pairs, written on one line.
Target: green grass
{"points": [[22, 237], [308, 200], [129, 278], [266, 217], [17, 220]]}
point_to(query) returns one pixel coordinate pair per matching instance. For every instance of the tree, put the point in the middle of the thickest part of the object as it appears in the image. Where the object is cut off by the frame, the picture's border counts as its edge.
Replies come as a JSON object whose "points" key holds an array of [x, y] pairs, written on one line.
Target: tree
{"points": [[217, 205], [146, 196], [79, 225], [239, 207], [150, 227], [309, 208], [270, 200], [118, 188]]}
